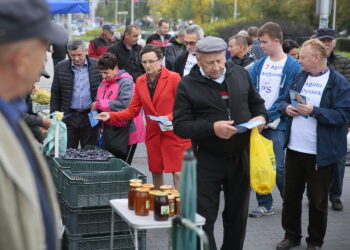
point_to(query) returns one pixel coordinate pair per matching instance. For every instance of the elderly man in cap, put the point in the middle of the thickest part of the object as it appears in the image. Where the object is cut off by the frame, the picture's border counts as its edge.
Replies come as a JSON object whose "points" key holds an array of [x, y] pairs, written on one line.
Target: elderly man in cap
{"points": [[341, 64], [210, 101], [99, 45], [28, 205]]}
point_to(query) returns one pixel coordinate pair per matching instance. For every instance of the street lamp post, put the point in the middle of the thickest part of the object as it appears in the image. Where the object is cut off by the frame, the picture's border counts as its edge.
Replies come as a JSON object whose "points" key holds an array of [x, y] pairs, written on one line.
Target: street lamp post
{"points": [[235, 11], [116, 12], [132, 11], [334, 12]]}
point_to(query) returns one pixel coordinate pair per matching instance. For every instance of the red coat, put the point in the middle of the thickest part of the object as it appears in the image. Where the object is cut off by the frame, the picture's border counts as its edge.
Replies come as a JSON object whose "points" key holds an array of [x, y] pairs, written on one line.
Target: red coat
{"points": [[165, 150]]}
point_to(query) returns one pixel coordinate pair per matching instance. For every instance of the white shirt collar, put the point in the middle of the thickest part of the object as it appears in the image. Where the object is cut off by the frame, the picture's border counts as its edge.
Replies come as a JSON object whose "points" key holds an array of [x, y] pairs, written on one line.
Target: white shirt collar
{"points": [[219, 80]]}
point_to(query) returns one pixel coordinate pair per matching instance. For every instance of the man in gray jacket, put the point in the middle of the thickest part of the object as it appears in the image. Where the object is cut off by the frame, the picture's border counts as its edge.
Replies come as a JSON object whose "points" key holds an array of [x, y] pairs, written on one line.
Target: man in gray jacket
{"points": [[28, 205]]}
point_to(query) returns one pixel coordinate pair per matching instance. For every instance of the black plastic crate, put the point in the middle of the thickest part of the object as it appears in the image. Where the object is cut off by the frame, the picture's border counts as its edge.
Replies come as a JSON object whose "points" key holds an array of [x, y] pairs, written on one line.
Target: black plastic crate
{"points": [[102, 242], [91, 221], [98, 188], [58, 165]]}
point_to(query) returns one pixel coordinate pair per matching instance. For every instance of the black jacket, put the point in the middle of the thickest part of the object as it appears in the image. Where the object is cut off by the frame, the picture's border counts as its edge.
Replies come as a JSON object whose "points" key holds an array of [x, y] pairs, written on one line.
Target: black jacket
{"points": [[172, 51], [198, 105], [247, 60], [63, 84], [341, 64], [129, 60], [180, 63]]}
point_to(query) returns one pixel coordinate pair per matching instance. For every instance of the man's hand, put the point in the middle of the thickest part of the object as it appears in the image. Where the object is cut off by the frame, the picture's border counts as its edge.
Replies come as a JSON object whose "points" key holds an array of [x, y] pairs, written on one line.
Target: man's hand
{"points": [[292, 111], [224, 129], [305, 109], [259, 118], [104, 116], [46, 122], [93, 106]]}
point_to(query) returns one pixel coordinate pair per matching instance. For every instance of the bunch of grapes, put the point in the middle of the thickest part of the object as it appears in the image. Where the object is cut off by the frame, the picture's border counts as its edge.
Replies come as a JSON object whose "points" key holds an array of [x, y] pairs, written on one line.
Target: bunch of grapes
{"points": [[87, 155]]}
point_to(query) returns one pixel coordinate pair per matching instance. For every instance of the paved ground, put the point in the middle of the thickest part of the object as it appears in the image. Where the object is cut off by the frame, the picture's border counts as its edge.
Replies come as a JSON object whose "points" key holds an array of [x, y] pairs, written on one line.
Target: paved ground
{"points": [[262, 233]]}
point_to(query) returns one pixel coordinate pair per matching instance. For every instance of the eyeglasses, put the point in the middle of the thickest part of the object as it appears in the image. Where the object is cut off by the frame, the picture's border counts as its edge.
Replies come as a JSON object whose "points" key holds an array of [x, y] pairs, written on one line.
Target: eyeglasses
{"points": [[150, 62], [192, 43]]}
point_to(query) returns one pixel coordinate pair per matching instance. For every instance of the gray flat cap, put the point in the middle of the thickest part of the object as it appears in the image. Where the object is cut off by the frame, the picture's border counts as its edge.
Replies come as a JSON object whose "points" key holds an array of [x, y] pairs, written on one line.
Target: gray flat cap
{"points": [[211, 44]]}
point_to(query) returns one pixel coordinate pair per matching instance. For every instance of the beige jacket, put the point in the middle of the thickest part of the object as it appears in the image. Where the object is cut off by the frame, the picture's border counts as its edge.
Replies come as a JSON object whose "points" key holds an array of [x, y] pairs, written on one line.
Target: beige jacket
{"points": [[21, 222]]}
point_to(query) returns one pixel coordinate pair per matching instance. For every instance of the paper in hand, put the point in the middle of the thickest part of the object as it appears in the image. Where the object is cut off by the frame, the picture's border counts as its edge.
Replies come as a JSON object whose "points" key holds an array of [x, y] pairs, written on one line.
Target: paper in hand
{"points": [[243, 127], [296, 98]]}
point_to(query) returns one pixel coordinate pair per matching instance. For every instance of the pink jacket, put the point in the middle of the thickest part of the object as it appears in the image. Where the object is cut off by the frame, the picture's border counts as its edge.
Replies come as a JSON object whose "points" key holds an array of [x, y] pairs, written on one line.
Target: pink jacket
{"points": [[115, 95]]}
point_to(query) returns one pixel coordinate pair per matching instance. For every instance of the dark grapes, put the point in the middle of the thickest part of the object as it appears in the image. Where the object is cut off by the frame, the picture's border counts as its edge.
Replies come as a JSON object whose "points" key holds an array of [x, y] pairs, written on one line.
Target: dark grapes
{"points": [[87, 154]]}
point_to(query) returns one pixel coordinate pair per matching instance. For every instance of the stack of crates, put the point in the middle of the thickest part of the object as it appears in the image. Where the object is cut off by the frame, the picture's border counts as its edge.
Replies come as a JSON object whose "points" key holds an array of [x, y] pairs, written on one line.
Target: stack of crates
{"points": [[84, 189]]}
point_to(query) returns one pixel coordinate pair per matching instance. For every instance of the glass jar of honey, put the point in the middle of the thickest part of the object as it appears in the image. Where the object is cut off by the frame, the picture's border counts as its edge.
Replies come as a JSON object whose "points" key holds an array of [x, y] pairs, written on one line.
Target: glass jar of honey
{"points": [[178, 205], [171, 199], [165, 187], [135, 181], [152, 196], [142, 201], [131, 194], [161, 207], [177, 195], [171, 191], [149, 186]]}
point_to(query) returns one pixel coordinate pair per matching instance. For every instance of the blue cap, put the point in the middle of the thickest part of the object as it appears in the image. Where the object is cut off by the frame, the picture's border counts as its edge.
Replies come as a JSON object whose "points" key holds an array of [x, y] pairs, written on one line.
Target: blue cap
{"points": [[25, 19]]}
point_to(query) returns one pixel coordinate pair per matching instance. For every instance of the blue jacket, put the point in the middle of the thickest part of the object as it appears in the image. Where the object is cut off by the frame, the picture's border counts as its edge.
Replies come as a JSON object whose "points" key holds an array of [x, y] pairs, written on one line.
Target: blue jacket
{"points": [[290, 70], [333, 116]]}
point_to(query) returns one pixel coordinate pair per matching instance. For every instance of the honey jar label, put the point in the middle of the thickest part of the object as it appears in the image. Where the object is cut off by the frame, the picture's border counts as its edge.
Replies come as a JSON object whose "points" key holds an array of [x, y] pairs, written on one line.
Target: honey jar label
{"points": [[164, 210], [147, 204], [172, 208]]}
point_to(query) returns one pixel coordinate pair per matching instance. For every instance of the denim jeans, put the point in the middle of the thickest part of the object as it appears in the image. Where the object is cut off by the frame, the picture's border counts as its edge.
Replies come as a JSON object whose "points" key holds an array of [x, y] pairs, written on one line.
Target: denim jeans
{"points": [[278, 139], [337, 180]]}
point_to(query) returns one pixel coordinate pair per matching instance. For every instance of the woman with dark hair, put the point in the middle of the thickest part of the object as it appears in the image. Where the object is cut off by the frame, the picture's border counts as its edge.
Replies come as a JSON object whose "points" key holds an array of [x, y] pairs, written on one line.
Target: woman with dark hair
{"points": [[155, 93], [114, 94], [291, 48]]}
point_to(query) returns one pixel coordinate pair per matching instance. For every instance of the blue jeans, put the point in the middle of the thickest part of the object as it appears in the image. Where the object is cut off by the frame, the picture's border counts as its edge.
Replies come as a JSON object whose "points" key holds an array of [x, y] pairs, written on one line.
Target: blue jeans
{"points": [[337, 180], [278, 139]]}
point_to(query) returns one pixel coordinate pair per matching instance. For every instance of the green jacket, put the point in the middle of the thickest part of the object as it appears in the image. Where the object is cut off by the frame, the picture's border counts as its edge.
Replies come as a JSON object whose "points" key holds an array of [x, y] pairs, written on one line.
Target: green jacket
{"points": [[22, 225]]}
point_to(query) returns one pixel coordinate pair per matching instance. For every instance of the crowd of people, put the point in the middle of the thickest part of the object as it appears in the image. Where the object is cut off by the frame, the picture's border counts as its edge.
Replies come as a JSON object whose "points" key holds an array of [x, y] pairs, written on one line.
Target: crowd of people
{"points": [[187, 82]]}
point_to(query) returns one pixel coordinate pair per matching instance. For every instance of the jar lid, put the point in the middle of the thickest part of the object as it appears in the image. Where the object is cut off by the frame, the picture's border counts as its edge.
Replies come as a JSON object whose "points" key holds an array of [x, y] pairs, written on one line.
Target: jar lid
{"points": [[171, 191], [135, 180], [147, 185], [171, 197], [153, 192], [142, 189], [166, 187], [135, 184], [161, 194], [176, 195]]}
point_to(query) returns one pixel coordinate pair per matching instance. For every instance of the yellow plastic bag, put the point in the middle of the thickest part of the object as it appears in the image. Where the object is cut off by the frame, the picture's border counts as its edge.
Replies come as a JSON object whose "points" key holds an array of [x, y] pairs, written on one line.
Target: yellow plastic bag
{"points": [[262, 163]]}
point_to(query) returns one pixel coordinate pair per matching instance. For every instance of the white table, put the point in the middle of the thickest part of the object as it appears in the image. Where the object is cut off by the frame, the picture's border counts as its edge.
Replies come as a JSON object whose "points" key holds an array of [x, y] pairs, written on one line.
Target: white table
{"points": [[120, 206]]}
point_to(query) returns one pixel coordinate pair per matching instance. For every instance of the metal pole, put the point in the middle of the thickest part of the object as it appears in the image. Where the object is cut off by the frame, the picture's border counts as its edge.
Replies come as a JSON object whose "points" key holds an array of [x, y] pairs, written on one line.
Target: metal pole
{"points": [[235, 11], [324, 14], [334, 12], [132, 12], [116, 12]]}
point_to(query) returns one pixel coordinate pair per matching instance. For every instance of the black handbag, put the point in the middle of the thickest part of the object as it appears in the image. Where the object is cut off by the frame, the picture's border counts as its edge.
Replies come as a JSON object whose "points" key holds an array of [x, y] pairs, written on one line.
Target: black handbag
{"points": [[116, 140]]}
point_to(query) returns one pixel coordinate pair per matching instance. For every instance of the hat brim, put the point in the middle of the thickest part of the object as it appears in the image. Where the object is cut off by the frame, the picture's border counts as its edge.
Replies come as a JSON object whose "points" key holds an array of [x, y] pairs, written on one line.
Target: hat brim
{"points": [[326, 36], [55, 34]]}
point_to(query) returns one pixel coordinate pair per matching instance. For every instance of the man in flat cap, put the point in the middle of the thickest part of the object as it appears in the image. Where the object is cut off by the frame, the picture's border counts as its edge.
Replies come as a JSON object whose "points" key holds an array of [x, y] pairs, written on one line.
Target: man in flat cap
{"points": [[341, 64], [28, 205], [210, 101], [99, 45]]}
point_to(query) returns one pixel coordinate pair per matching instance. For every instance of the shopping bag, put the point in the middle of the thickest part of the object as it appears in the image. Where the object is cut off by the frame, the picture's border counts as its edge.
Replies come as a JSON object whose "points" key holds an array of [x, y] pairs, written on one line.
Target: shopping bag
{"points": [[56, 136], [262, 163]]}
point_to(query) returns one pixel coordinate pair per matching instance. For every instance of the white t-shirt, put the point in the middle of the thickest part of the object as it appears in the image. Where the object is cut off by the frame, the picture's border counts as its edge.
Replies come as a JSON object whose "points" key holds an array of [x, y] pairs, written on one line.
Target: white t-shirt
{"points": [[191, 61], [270, 79], [303, 137]]}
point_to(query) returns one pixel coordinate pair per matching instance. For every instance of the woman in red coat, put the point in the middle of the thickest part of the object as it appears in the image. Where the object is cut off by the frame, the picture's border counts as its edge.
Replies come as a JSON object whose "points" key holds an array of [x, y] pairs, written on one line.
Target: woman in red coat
{"points": [[155, 93]]}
